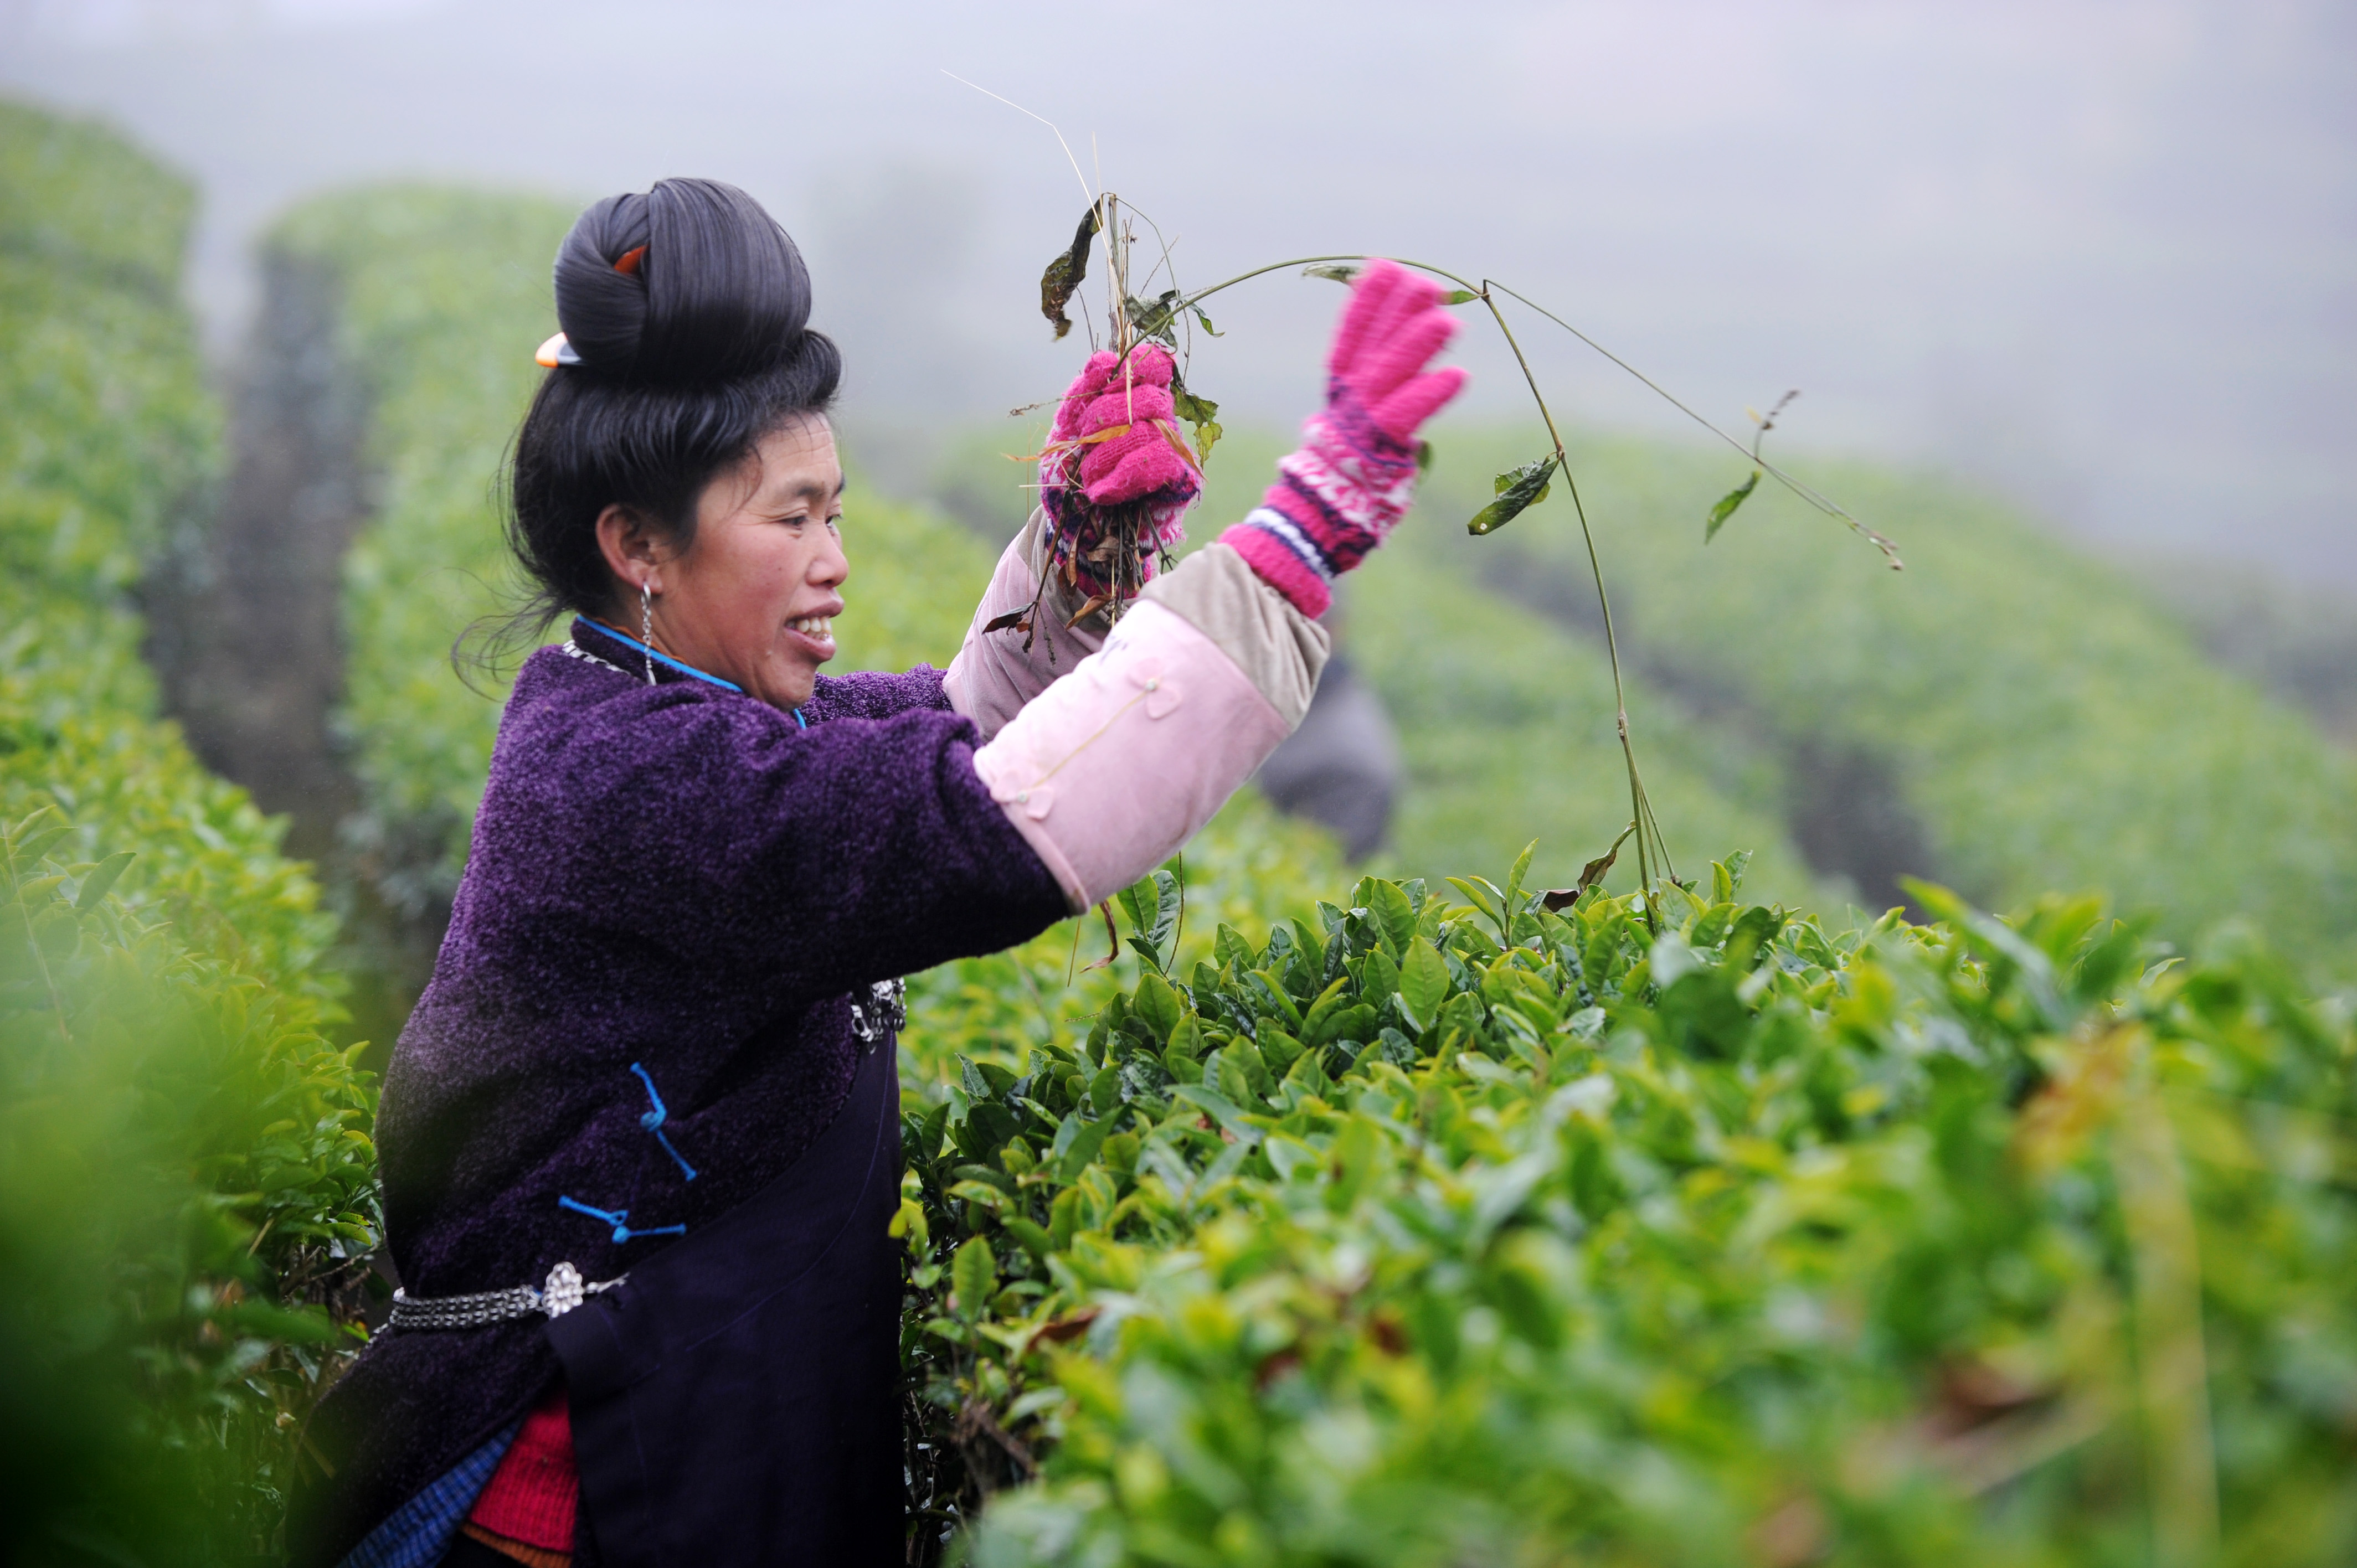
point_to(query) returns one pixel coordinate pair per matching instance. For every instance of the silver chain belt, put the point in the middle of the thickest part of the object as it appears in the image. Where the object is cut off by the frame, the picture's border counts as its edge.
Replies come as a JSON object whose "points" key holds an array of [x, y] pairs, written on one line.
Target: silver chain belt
{"points": [[564, 1291], [884, 1012]]}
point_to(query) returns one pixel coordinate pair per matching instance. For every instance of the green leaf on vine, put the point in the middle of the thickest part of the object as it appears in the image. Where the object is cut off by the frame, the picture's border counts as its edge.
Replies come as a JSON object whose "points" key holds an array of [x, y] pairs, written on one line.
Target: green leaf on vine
{"points": [[1065, 275], [1202, 414], [1459, 297], [1727, 505], [1340, 271], [1156, 318], [1206, 320], [1192, 409], [1518, 490]]}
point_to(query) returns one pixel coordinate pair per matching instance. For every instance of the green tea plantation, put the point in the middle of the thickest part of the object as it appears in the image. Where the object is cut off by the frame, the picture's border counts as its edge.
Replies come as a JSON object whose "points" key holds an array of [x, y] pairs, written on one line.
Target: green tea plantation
{"points": [[1282, 1211]]}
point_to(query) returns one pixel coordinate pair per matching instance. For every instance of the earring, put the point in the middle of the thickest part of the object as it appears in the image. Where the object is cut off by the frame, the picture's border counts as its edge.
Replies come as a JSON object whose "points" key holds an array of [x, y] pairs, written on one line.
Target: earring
{"points": [[647, 627]]}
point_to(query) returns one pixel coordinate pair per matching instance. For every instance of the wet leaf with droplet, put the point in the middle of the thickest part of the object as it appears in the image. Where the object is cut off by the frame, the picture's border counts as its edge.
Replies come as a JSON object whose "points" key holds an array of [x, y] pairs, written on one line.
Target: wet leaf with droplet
{"points": [[1518, 490]]}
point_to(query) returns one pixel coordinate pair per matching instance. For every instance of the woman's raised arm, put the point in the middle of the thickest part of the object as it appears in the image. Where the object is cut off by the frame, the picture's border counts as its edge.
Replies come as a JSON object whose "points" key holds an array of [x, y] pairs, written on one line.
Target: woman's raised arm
{"points": [[1114, 766]]}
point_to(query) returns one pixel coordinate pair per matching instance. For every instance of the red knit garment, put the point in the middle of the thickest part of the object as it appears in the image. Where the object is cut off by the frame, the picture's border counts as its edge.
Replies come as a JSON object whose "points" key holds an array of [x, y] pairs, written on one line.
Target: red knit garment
{"points": [[536, 1491]]}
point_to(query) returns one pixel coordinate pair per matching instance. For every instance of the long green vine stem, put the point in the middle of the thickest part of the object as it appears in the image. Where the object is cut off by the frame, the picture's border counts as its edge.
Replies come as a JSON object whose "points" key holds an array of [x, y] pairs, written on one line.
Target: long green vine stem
{"points": [[1650, 838], [1653, 846], [1807, 492]]}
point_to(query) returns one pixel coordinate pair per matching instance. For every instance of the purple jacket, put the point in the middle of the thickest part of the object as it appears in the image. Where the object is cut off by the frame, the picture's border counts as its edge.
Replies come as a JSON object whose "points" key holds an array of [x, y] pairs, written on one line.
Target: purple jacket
{"points": [[675, 877]]}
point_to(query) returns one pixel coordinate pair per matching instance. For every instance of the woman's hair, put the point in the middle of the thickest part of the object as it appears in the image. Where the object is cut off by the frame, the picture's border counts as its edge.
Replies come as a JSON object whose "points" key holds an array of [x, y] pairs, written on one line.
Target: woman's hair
{"points": [[688, 308]]}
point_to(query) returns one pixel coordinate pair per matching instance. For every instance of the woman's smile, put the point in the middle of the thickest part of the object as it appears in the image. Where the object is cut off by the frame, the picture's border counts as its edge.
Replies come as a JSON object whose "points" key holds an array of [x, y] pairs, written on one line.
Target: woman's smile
{"points": [[814, 634]]}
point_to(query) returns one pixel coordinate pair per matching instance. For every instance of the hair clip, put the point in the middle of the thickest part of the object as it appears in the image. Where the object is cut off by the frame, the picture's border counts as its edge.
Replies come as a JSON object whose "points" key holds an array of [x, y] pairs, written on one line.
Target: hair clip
{"points": [[626, 263], [555, 352]]}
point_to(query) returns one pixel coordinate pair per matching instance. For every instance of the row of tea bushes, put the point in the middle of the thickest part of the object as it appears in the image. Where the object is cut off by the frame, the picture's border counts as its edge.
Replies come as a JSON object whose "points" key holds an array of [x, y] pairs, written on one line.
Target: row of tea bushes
{"points": [[1426, 1232], [1508, 726], [2043, 721], [186, 1185], [441, 299]]}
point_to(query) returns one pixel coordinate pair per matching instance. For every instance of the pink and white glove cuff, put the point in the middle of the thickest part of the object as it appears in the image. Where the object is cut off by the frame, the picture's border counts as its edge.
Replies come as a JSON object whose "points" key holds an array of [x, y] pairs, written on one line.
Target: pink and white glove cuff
{"points": [[1281, 555], [1336, 498]]}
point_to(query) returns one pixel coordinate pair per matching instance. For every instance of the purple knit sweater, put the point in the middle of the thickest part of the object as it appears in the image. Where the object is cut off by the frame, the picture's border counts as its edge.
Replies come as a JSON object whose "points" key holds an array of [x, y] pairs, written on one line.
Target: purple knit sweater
{"points": [[677, 876]]}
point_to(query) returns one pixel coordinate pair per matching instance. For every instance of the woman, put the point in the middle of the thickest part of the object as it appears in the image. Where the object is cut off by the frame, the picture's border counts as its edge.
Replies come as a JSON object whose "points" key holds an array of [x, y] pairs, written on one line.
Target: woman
{"points": [[640, 1138]]}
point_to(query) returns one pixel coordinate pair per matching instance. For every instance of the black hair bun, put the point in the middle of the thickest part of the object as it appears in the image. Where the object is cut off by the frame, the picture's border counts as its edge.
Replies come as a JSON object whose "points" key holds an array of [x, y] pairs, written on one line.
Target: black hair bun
{"points": [[692, 283]]}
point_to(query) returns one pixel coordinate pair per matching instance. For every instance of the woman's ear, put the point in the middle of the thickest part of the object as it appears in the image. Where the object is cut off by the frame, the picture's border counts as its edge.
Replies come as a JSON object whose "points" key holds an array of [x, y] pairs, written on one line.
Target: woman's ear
{"points": [[633, 550]]}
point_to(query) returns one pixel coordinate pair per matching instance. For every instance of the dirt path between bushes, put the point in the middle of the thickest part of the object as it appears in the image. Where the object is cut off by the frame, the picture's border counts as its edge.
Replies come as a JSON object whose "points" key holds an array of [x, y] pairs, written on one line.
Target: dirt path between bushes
{"points": [[245, 630]]}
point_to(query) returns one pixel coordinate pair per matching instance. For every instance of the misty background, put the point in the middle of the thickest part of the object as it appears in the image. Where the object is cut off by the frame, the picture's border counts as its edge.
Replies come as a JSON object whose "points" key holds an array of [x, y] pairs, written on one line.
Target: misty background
{"points": [[2101, 257]]}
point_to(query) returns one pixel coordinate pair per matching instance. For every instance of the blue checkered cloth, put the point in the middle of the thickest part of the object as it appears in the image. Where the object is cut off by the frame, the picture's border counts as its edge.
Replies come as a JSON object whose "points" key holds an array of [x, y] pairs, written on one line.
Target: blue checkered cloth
{"points": [[420, 1531]]}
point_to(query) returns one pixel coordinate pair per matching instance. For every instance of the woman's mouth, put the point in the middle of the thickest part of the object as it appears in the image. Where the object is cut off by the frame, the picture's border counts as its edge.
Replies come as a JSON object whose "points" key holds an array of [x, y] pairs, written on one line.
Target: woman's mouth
{"points": [[816, 632]]}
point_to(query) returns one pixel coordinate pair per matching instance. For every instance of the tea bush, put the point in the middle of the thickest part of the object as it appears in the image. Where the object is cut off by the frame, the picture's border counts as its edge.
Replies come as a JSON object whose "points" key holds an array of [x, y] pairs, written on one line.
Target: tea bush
{"points": [[185, 1181], [1428, 1233]]}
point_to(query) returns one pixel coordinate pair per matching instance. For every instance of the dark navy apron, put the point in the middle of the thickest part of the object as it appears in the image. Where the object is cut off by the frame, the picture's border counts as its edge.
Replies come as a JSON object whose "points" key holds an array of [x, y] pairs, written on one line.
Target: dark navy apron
{"points": [[736, 1398]]}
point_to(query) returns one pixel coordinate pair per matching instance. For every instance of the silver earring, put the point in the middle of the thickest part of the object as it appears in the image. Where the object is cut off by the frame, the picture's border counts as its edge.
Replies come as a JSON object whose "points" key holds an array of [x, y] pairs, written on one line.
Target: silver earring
{"points": [[647, 627]]}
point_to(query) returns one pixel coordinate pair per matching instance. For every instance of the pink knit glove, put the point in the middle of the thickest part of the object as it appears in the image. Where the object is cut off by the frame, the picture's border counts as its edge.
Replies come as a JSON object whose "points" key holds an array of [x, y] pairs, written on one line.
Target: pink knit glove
{"points": [[1114, 457], [1354, 475]]}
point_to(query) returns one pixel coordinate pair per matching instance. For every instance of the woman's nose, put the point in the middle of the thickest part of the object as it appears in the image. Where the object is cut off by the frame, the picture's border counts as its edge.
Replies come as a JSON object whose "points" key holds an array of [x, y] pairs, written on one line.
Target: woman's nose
{"points": [[830, 565]]}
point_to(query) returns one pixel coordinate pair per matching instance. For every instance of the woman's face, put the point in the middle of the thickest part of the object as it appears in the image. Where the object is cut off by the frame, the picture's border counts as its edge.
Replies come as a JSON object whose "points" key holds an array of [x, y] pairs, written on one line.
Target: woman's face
{"points": [[753, 600]]}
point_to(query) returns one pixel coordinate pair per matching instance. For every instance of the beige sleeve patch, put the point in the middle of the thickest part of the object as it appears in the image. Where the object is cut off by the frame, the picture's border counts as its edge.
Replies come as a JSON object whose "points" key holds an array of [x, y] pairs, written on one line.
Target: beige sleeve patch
{"points": [[1280, 651]]}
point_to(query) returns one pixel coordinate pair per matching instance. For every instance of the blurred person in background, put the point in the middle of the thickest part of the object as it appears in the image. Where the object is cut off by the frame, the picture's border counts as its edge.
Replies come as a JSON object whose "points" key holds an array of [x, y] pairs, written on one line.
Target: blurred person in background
{"points": [[640, 1138]]}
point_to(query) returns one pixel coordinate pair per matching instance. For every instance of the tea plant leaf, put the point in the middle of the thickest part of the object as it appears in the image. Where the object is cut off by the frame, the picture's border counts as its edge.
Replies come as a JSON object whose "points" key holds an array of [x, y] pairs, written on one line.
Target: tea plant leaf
{"points": [[1157, 1003], [1727, 505], [1087, 1138], [102, 877], [1338, 272], [1486, 896], [973, 1277], [1513, 900], [1169, 897], [1518, 490], [1424, 982], [1736, 863], [1033, 1237], [1389, 904], [1065, 275]]}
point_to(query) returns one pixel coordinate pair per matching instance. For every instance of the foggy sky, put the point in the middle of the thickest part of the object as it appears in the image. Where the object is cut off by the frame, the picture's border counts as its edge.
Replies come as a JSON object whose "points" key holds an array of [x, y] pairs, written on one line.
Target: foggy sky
{"points": [[2103, 256]]}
